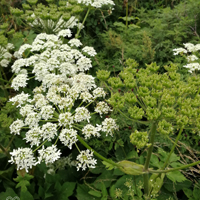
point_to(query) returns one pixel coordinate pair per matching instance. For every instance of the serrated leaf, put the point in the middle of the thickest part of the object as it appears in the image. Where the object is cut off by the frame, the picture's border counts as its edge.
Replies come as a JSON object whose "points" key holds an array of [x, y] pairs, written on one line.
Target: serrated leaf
{"points": [[108, 165], [23, 181], [95, 193], [176, 176], [155, 161]]}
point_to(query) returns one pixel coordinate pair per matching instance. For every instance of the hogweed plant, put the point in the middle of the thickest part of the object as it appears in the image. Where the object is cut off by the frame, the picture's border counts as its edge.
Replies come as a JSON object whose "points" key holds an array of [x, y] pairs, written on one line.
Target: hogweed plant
{"points": [[56, 17], [58, 111], [164, 104]]}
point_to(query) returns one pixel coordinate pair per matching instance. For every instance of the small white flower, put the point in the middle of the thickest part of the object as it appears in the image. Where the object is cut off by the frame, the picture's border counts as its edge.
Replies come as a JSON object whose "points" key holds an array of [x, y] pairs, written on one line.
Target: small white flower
{"points": [[191, 58], [65, 119], [89, 50], [179, 50], [75, 42], [102, 108], [16, 126], [90, 130], [25, 110], [20, 99], [23, 158], [68, 137], [84, 64], [85, 159], [33, 136], [109, 125], [19, 81], [32, 119], [65, 33], [86, 96], [190, 47], [49, 131], [99, 92], [49, 155], [46, 112], [4, 62], [82, 113]]}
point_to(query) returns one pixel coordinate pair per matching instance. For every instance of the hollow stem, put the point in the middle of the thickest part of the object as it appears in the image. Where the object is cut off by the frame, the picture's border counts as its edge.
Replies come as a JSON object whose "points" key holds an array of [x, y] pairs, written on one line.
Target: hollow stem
{"points": [[146, 166]]}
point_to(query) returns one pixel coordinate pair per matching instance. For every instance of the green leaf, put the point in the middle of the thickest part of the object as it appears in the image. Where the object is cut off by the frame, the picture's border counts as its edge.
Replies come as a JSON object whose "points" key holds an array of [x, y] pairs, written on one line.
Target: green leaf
{"points": [[108, 165], [155, 161], [66, 190], [129, 18], [82, 192], [188, 192], [95, 193], [8, 192], [176, 176], [196, 193], [104, 190], [132, 154], [23, 181], [24, 195]]}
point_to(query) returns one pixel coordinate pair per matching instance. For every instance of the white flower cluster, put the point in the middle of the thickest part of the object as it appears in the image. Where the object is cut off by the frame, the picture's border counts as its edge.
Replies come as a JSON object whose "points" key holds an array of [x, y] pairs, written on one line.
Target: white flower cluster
{"points": [[52, 112], [5, 56], [51, 61], [96, 3], [85, 159], [191, 59]]}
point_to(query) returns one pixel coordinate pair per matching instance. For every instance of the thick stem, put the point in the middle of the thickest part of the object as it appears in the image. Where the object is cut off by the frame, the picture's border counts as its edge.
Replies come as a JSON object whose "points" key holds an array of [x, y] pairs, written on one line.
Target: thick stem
{"points": [[146, 166]]}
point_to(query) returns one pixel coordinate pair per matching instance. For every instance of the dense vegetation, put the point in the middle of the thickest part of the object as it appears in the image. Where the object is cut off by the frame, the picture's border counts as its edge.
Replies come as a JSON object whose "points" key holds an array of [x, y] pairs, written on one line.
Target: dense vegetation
{"points": [[99, 99]]}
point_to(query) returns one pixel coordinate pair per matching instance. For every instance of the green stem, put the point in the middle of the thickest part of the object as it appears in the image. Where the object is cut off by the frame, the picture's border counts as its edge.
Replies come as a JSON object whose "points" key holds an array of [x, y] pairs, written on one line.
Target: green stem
{"points": [[82, 23], [97, 154], [172, 150], [146, 166], [40, 146], [174, 169]]}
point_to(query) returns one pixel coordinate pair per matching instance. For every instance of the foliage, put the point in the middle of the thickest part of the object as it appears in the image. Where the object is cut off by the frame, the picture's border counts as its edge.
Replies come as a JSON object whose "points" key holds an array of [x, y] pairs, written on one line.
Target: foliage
{"points": [[147, 31]]}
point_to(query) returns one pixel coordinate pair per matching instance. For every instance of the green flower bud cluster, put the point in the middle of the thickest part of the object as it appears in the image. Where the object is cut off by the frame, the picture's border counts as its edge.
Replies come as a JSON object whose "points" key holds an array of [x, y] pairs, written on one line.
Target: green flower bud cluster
{"points": [[130, 97], [115, 82], [32, 2], [152, 67], [103, 75], [165, 127], [150, 101], [153, 113], [163, 99], [136, 113], [16, 11], [140, 139], [117, 101], [4, 26]]}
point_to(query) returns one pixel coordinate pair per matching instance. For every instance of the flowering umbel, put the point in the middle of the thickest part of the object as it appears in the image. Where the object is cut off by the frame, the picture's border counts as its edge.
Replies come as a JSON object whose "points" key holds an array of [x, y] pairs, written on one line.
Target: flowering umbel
{"points": [[58, 109]]}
